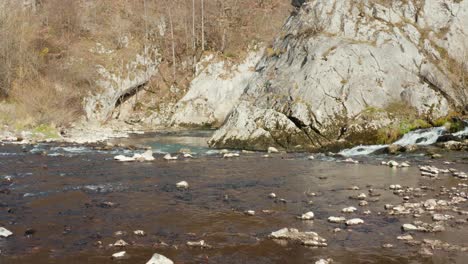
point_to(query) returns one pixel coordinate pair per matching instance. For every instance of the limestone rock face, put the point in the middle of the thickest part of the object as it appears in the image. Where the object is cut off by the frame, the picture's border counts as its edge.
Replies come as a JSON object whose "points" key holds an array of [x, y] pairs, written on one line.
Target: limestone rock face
{"points": [[115, 84], [336, 59], [215, 91]]}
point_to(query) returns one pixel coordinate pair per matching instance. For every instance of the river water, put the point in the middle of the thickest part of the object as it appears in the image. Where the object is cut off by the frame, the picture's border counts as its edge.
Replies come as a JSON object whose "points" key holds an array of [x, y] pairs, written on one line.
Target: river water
{"points": [[56, 204]]}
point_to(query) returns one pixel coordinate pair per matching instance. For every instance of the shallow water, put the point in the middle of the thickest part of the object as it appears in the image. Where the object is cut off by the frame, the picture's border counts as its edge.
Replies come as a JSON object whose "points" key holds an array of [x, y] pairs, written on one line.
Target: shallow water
{"points": [[61, 196]]}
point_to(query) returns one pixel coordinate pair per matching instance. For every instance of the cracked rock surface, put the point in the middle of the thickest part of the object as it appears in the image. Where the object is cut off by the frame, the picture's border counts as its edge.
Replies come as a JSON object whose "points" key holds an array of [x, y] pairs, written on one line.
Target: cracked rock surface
{"points": [[335, 59]]}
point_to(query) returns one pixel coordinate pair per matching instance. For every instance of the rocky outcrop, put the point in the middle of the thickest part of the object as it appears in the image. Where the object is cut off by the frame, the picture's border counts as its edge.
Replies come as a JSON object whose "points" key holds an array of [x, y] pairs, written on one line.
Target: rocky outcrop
{"points": [[116, 84], [214, 91], [336, 59]]}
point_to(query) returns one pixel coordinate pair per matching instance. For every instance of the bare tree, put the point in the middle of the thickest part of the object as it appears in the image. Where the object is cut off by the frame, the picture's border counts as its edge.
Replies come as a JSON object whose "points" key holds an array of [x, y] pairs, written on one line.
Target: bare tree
{"points": [[174, 68], [193, 25], [203, 23]]}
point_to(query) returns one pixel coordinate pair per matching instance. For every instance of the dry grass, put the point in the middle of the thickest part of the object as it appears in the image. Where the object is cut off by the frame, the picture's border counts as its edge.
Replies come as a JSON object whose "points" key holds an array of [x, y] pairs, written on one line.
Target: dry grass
{"points": [[46, 67]]}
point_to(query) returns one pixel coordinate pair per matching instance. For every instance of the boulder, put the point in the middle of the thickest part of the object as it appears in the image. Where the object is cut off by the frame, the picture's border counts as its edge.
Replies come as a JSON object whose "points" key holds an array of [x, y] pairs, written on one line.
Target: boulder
{"points": [[5, 232], [340, 70]]}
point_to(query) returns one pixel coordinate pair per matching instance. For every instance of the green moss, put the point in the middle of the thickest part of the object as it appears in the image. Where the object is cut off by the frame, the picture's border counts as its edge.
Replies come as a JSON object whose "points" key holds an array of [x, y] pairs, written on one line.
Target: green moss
{"points": [[47, 130], [451, 122], [393, 132]]}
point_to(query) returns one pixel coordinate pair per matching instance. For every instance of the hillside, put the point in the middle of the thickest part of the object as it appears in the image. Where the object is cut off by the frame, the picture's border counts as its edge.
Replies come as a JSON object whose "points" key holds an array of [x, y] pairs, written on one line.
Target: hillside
{"points": [[67, 61]]}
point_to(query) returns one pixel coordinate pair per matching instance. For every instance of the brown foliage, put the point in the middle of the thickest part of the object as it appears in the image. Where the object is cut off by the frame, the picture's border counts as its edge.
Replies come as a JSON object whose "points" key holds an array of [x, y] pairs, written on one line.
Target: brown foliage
{"points": [[45, 59]]}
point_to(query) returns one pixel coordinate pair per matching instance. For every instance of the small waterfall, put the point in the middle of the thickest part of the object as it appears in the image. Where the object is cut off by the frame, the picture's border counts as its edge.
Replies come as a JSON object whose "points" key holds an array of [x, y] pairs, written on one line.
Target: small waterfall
{"points": [[462, 133], [421, 137], [418, 137]]}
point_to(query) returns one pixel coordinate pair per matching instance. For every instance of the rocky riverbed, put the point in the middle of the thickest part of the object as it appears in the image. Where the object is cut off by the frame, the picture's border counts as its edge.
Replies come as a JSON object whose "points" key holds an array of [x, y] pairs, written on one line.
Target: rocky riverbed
{"points": [[77, 204]]}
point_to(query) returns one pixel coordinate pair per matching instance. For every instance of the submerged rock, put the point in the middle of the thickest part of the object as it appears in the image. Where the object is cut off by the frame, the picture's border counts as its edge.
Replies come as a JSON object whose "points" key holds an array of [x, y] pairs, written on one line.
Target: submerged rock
{"points": [[159, 259]]}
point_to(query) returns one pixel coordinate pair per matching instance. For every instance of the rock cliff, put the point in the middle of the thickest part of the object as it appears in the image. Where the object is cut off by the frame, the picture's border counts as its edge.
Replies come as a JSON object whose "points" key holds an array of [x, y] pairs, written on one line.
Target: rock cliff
{"points": [[215, 90], [341, 69]]}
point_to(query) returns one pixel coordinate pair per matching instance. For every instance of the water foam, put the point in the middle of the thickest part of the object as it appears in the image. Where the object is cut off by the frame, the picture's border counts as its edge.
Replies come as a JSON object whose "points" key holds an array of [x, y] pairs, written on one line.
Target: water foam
{"points": [[418, 137]]}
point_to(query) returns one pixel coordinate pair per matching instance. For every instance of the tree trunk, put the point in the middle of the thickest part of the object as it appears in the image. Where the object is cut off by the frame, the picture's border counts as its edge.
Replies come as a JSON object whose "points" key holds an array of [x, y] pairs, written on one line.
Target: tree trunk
{"points": [[173, 47], [203, 23]]}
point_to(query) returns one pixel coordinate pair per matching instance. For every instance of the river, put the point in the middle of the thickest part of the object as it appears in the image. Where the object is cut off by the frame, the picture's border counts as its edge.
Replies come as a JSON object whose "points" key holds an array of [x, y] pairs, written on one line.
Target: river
{"points": [[65, 203]]}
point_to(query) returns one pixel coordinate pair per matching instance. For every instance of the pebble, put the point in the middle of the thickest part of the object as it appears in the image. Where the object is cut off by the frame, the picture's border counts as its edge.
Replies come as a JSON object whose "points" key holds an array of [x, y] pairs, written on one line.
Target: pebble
{"points": [[354, 188], [169, 157], [272, 195], [306, 238], [119, 255], [363, 203], [120, 233], [367, 212], [405, 237], [159, 259], [120, 243], [404, 165], [362, 196], [323, 261], [441, 217], [5, 232], [182, 185], [354, 221], [307, 216], [350, 160], [410, 227], [387, 246], [200, 244], [231, 155], [395, 187], [188, 156], [250, 212], [334, 219], [311, 157], [350, 209], [139, 233], [392, 163]]}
